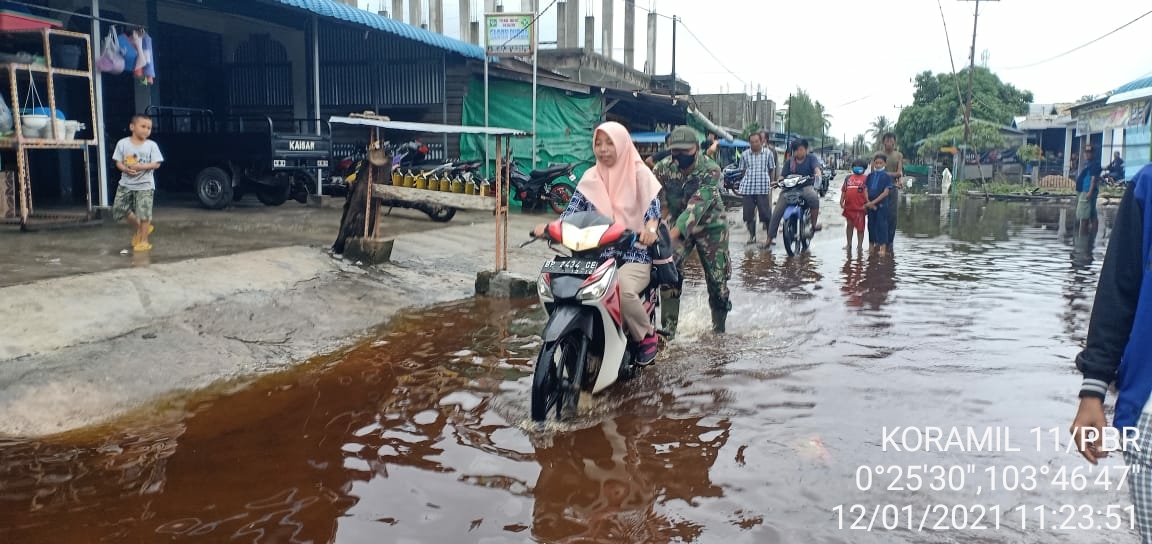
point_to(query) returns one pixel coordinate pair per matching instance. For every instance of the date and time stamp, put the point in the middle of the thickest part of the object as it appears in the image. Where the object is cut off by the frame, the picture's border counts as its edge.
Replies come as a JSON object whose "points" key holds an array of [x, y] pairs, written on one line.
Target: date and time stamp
{"points": [[971, 481]]}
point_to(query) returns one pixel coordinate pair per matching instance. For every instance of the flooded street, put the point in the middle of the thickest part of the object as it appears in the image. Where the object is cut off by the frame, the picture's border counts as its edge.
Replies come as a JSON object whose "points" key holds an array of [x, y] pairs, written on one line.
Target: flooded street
{"points": [[423, 435]]}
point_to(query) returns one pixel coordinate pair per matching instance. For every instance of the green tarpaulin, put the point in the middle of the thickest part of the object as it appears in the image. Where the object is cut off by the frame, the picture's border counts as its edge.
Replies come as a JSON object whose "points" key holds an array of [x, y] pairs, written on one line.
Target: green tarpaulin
{"points": [[564, 123]]}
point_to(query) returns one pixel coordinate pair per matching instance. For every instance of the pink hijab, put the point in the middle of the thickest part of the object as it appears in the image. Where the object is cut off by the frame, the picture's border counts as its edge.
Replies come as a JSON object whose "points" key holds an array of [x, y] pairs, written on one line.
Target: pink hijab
{"points": [[625, 191]]}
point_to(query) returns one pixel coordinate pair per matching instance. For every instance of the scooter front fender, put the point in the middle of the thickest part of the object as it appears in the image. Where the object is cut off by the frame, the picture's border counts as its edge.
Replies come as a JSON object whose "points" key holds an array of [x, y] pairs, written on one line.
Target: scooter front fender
{"points": [[566, 318]]}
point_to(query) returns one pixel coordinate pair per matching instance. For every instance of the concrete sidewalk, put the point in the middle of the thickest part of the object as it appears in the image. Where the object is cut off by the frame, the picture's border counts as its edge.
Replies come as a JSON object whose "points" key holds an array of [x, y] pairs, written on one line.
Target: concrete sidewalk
{"points": [[185, 231]]}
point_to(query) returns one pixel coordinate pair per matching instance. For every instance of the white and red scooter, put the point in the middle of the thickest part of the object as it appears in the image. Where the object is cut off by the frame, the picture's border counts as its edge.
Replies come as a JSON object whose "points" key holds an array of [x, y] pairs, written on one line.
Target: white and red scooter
{"points": [[585, 344]]}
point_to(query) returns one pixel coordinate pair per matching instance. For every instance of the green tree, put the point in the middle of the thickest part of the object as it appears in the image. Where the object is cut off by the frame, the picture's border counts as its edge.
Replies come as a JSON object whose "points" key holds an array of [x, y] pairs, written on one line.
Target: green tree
{"points": [[749, 131], [937, 105], [1029, 153], [985, 136], [880, 126], [860, 145], [804, 115]]}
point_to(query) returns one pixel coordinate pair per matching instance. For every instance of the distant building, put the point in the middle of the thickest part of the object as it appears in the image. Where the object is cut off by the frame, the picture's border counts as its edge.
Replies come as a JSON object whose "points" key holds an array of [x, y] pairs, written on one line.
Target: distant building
{"points": [[1118, 122], [1050, 127], [738, 110]]}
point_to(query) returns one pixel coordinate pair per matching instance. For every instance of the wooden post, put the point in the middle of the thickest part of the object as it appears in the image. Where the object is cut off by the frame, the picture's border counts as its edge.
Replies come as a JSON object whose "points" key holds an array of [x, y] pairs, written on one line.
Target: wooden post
{"points": [[51, 88], [499, 202], [504, 213], [368, 179], [88, 177]]}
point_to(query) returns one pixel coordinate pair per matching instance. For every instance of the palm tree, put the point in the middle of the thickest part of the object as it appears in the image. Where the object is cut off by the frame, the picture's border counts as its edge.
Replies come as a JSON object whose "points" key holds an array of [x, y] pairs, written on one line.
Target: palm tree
{"points": [[825, 117], [879, 127], [825, 121], [859, 145]]}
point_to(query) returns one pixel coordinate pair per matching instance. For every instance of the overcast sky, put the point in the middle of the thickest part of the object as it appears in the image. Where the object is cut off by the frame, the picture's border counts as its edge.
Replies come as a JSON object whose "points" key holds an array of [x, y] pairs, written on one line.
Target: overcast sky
{"points": [[858, 57]]}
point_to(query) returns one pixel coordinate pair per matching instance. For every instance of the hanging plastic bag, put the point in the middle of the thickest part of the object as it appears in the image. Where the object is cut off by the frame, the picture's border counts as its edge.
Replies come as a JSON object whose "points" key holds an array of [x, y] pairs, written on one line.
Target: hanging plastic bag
{"points": [[111, 60], [7, 124]]}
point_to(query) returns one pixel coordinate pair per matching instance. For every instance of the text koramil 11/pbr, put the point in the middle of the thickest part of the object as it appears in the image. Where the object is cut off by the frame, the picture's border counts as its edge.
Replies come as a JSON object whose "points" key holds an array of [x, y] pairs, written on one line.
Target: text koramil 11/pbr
{"points": [[1001, 439]]}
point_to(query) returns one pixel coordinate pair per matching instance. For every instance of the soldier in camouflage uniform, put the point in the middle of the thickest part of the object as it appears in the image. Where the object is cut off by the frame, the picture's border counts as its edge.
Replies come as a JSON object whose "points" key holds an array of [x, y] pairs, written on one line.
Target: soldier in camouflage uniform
{"points": [[691, 197]]}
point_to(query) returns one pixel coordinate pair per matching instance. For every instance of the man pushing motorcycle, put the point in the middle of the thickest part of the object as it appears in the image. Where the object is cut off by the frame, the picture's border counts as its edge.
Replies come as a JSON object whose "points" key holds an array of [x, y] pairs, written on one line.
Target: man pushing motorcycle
{"points": [[692, 198]]}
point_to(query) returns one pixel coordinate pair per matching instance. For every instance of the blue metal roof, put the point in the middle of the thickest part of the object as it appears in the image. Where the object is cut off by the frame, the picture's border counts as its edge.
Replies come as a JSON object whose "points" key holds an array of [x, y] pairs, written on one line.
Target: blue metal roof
{"points": [[1134, 85], [649, 137], [335, 10]]}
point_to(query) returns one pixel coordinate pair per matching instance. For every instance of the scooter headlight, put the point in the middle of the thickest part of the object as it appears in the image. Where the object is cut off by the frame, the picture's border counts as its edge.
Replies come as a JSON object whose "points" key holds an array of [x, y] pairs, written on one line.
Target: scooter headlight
{"points": [[544, 288], [598, 283]]}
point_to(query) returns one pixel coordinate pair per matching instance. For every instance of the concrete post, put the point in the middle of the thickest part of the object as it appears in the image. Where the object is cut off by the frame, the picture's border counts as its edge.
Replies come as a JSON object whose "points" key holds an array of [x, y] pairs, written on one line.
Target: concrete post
{"points": [[650, 63], [436, 16], [1068, 137], [465, 20], [589, 34], [474, 26], [415, 14], [528, 6], [574, 18], [606, 29], [630, 33], [561, 25], [398, 10]]}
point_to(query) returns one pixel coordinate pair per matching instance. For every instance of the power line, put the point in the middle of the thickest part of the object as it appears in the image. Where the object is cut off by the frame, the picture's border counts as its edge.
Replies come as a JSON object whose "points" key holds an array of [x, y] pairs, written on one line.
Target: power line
{"points": [[713, 55], [951, 57], [693, 34], [642, 8], [854, 101], [531, 24], [1074, 49]]}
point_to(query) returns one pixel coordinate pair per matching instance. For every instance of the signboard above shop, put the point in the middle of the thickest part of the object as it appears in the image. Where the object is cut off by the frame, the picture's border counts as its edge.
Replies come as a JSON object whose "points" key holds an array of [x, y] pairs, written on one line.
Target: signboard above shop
{"points": [[509, 34], [1129, 114]]}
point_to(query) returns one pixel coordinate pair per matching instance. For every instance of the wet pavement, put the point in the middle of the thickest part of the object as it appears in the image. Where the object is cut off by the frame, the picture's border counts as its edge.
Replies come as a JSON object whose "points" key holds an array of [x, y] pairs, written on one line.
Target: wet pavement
{"points": [[422, 434], [186, 231]]}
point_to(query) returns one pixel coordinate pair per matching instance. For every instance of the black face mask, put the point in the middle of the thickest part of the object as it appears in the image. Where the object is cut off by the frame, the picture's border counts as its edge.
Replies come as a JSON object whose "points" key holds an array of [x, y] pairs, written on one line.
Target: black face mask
{"points": [[685, 161]]}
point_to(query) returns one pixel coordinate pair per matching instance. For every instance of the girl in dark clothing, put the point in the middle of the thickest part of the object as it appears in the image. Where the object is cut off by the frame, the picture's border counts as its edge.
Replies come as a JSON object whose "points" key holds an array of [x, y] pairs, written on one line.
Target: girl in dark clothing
{"points": [[879, 184]]}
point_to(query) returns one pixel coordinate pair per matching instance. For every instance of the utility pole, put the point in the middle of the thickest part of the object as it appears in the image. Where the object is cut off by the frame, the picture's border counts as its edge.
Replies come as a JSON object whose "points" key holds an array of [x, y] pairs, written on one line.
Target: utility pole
{"points": [[788, 128], [971, 70], [675, 19]]}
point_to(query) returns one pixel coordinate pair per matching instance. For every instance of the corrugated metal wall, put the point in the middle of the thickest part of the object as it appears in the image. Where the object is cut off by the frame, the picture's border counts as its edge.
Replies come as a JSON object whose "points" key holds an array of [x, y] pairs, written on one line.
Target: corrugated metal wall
{"points": [[378, 70], [261, 76]]}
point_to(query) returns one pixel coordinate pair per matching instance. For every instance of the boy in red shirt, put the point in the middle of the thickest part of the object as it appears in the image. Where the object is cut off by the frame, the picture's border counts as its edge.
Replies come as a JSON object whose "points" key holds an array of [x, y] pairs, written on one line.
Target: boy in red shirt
{"points": [[853, 195]]}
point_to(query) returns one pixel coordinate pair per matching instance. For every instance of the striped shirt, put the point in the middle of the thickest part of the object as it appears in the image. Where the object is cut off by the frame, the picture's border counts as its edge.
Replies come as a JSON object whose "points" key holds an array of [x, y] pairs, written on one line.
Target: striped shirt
{"points": [[758, 169], [638, 255]]}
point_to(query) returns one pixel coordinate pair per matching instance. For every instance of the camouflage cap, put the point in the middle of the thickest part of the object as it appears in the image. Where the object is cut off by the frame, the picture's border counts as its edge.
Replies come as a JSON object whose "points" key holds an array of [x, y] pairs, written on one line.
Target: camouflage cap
{"points": [[683, 139]]}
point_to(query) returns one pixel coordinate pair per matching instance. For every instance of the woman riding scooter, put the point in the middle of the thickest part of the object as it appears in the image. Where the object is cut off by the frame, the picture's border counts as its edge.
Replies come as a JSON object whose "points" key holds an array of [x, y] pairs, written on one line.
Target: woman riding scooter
{"points": [[622, 187]]}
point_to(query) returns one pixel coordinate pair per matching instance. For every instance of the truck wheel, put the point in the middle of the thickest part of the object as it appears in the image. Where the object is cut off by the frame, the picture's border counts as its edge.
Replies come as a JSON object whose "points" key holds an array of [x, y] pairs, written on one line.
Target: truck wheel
{"points": [[440, 214], [303, 184], [214, 188], [272, 195]]}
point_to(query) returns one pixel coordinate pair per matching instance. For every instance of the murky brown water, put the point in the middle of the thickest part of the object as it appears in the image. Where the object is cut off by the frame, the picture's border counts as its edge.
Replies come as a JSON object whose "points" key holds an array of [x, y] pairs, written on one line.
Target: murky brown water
{"points": [[422, 435]]}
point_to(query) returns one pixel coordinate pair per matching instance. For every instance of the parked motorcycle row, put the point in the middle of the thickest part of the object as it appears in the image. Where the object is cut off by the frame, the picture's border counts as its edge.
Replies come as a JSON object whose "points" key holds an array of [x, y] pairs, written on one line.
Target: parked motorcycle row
{"points": [[550, 187]]}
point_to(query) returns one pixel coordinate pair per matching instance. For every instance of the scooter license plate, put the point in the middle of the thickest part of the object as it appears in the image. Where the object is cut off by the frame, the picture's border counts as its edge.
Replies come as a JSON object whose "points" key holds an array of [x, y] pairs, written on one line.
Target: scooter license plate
{"points": [[572, 267]]}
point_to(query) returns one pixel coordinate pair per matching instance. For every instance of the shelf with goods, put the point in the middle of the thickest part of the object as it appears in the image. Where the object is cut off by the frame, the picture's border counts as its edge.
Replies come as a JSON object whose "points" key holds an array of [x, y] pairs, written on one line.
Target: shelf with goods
{"points": [[40, 70]]}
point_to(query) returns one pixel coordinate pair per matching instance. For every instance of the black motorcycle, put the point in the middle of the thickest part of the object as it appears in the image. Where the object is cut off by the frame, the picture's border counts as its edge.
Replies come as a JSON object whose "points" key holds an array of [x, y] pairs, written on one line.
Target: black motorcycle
{"points": [[1113, 180], [544, 186]]}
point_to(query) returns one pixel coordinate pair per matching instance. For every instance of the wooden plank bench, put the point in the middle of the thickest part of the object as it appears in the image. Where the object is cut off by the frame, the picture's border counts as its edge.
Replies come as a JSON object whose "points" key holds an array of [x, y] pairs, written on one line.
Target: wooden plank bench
{"points": [[436, 198]]}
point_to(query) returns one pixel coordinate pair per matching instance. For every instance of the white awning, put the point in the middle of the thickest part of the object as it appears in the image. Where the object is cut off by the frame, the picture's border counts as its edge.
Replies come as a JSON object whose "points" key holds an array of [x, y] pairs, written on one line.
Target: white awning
{"points": [[1130, 95], [426, 127]]}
